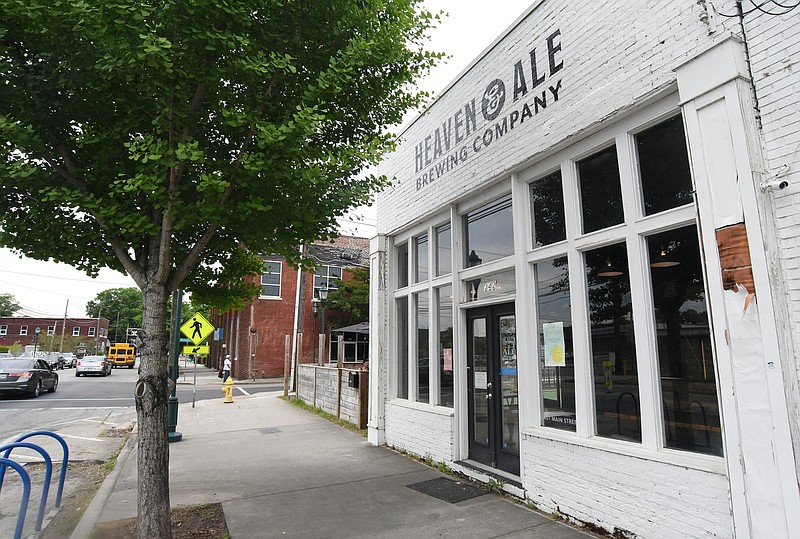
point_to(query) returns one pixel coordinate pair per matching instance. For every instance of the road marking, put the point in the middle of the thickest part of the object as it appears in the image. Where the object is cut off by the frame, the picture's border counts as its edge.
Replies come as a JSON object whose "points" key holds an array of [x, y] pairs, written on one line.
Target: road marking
{"points": [[243, 391], [83, 438]]}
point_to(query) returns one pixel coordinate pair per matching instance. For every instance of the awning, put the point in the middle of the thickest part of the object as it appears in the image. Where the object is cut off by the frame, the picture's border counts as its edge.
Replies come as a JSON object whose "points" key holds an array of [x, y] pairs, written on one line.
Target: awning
{"points": [[361, 327]]}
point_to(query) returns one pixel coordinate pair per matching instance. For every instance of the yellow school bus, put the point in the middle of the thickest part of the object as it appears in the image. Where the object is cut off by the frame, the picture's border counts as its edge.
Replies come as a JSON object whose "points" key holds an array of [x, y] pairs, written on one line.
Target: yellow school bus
{"points": [[122, 355]]}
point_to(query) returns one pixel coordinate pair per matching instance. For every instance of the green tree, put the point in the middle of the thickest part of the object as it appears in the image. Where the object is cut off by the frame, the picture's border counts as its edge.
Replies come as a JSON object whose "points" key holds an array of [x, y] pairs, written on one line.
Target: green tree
{"points": [[121, 306], [8, 305], [349, 304], [161, 138]]}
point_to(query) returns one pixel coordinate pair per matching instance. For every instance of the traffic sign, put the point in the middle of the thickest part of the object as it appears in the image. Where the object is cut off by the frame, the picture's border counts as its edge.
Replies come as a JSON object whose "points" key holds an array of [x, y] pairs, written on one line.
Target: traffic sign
{"points": [[196, 350], [197, 328]]}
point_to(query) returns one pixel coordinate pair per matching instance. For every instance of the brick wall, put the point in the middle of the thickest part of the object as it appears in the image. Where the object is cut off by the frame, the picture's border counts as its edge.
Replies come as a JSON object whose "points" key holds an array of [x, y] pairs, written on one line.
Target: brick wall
{"points": [[614, 55], [653, 499], [420, 432], [774, 44]]}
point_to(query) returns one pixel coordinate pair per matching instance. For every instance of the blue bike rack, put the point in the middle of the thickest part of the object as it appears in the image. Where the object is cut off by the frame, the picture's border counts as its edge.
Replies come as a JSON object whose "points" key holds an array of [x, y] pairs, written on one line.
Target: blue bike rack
{"points": [[62, 476], [48, 474], [26, 493], [5, 461]]}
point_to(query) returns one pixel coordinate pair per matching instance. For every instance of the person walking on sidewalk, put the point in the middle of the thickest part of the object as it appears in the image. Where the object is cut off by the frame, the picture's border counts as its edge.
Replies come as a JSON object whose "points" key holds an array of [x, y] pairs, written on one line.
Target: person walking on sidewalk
{"points": [[226, 368]]}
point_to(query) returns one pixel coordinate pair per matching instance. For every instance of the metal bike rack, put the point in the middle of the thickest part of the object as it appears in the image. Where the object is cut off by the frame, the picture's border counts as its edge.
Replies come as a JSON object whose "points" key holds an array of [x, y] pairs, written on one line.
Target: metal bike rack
{"points": [[48, 474], [26, 493], [6, 461]]}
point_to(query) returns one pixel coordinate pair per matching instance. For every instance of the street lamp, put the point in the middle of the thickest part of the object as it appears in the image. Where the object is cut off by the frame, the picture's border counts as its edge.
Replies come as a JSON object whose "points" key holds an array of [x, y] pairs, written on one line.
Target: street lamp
{"points": [[36, 339], [315, 312], [323, 299]]}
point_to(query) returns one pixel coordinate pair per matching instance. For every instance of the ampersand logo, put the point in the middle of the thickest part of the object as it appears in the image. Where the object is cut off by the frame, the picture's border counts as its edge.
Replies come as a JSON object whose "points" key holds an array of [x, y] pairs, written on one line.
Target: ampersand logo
{"points": [[493, 99]]}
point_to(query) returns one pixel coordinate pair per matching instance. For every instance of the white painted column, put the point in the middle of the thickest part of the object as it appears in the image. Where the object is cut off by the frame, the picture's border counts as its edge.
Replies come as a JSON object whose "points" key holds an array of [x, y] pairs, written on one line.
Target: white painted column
{"points": [[378, 339], [724, 148]]}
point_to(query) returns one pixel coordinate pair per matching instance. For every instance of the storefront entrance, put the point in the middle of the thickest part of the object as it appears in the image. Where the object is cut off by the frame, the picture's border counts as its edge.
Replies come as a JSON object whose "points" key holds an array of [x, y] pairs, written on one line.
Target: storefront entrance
{"points": [[492, 387]]}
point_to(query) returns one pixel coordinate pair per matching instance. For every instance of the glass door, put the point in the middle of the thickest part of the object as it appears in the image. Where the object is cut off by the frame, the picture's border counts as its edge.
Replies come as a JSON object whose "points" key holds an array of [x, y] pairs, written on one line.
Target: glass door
{"points": [[492, 387]]}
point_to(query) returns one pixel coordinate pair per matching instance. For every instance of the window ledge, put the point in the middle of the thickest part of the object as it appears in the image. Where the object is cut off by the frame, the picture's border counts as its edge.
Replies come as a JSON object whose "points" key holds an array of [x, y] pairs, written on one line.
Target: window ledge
{"points": [[696, 461], [423, 407], [272, 298]]}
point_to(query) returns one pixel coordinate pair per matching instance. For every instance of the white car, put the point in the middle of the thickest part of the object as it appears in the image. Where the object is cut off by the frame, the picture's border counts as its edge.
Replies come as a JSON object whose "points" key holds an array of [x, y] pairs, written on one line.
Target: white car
{"points": [[93, 365]]}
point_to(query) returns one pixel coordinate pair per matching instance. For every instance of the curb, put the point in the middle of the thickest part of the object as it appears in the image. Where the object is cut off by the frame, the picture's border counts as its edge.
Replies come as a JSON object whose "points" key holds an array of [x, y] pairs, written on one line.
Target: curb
{"points": [[92, 513]]}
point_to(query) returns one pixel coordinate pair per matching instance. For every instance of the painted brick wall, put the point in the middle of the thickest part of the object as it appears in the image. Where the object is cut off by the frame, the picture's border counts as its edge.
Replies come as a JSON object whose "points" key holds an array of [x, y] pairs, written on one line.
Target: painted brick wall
{"points": [[614, 54], [774, 43], [655, 500], [419, 432]]}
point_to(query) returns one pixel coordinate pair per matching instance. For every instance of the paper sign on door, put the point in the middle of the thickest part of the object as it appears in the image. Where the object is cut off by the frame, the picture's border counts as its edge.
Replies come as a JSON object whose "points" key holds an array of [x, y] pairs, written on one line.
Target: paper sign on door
{"points": [[553, 344]]}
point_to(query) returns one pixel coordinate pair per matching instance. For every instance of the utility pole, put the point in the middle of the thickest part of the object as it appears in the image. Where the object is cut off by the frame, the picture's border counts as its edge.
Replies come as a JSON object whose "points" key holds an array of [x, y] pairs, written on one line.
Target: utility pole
{"points": [[63, 327]]}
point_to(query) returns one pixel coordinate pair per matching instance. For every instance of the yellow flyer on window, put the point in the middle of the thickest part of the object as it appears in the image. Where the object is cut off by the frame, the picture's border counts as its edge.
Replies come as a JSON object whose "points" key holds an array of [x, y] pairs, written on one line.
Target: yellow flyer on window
{"points": [[554, 355]]}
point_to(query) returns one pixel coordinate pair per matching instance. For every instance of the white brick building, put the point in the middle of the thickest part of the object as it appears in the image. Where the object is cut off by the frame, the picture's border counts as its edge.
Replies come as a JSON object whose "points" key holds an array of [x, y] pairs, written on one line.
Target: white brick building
{"points": [[586, 281]]}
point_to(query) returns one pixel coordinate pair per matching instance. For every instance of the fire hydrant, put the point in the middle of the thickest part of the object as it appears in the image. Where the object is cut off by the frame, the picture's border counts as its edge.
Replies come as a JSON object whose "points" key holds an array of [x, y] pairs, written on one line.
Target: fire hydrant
{"points": [[228, 390]]}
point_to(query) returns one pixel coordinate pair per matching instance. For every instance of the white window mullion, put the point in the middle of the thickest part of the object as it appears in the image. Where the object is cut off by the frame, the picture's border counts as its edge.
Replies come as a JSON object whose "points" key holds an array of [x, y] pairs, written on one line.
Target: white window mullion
{"points": [[584, 380]]}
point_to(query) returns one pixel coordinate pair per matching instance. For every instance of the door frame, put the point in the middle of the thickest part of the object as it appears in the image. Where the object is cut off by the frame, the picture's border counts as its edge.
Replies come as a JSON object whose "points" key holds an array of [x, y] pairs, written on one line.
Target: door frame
{"points": [[492, 454]]}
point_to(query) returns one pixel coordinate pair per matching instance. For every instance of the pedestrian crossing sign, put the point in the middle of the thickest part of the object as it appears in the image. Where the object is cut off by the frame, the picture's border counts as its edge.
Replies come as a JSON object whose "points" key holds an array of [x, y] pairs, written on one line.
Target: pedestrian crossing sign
{"points": [[196, 350], [197, 328]]}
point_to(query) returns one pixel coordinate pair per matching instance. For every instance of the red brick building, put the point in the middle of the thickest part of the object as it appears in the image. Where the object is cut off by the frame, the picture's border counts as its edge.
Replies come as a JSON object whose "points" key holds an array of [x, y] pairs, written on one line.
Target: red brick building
{"points": [[255, 336], [55, 334]]}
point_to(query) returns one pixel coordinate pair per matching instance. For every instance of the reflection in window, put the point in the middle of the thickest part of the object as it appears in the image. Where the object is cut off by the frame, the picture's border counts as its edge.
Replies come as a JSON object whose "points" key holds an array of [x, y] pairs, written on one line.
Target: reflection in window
{"points": [[664, 166], [555, 343], [616, 384], [423, 356], [601, 195], [402, 347], [444, 260], [547, 202], [421, 268], [402, 265], [489, 232], [446, 346], [688, 386], [479, 348]]}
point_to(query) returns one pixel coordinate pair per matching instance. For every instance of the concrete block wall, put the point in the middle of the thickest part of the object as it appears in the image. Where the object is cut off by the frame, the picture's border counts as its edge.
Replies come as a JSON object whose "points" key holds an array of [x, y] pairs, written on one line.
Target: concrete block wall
{"points": [[418, 431], [605, 59], [653, 499]]}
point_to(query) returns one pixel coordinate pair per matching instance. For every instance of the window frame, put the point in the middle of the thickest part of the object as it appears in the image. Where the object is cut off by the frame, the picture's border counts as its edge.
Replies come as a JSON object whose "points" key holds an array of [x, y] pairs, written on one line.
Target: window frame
{"points": [[329, 279], [4, 329], [23, 330], [90, 331], [262, 294], [634, 231], [76, 331]]}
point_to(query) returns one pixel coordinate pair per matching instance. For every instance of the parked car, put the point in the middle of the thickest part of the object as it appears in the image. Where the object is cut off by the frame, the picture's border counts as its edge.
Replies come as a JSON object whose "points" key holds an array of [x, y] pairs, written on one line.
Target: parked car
{"points": [[55, 360], [6, 355], [26, 375], [93, 365], [69, 359]]}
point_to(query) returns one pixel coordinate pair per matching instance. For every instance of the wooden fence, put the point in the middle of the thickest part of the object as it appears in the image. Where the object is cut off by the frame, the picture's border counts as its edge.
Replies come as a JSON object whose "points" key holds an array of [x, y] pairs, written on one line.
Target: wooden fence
{"points": [[327, 388]]}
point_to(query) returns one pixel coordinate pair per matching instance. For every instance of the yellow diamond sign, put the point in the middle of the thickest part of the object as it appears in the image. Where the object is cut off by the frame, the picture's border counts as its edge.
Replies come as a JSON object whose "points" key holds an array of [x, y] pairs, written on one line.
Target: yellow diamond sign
{"points": [[197, 328], [196, 350]]}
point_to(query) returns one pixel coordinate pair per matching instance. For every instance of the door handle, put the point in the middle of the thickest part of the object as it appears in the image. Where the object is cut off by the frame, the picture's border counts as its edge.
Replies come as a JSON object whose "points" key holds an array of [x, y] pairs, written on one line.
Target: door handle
{"points": [[488, 396], [489, 385]]}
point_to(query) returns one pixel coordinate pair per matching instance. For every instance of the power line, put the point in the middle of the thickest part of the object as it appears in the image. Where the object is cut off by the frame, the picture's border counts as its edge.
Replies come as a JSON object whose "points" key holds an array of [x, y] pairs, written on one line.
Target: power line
{"points": [[87, 280]]}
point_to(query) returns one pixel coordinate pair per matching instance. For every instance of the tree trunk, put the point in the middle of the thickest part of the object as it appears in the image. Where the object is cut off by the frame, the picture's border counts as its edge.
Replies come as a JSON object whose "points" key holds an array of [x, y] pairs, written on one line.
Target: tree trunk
{"points": [[153, 520]]}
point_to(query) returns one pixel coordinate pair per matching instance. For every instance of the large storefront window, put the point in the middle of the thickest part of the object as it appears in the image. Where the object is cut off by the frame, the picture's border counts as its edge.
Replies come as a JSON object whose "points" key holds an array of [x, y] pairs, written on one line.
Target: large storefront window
{"points": [[555, 343], [444, 264], [616, 382], [664, 166], [489, 232], [601, 195], [686, 365], [402, 347], [402, 265], [421, 266], [547, 202], [446, 346], [423, 355]]}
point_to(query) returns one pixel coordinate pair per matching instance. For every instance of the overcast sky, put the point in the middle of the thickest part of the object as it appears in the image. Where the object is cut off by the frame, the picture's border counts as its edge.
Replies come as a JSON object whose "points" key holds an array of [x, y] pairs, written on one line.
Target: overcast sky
{"points": [[50, 289]]}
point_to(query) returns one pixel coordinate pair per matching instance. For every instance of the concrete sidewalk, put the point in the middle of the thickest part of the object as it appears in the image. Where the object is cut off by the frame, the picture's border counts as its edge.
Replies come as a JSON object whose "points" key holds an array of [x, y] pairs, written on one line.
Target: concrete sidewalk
{"points": [[282, 472]]}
